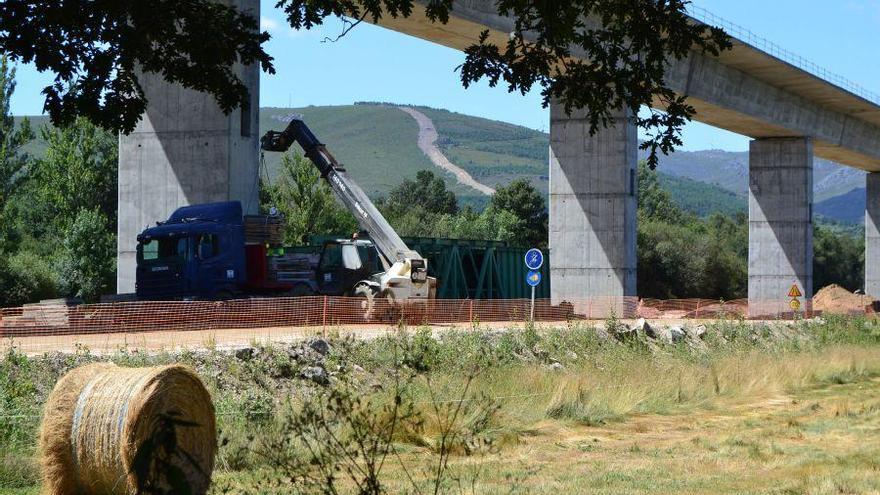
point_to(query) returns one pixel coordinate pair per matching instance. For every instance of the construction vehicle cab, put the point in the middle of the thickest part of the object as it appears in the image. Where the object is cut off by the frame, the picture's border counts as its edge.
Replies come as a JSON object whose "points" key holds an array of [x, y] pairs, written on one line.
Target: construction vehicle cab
{"points": [[195, 254], [345, 263]]}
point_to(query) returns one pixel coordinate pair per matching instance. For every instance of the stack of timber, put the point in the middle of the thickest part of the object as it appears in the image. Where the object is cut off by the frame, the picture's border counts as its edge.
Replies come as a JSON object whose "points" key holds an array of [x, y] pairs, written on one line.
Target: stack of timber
{"points": [[262, 229], [46, 313]]}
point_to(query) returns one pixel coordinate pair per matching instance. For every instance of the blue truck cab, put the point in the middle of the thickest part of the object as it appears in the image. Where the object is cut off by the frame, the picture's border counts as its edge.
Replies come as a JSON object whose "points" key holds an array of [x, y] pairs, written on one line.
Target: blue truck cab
{"points": [[198, 253]]}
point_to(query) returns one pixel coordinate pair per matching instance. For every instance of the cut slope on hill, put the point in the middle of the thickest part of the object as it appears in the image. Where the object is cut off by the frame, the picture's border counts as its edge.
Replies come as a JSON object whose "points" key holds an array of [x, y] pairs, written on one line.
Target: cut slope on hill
{"points": [[494, 153], [427, 143]]}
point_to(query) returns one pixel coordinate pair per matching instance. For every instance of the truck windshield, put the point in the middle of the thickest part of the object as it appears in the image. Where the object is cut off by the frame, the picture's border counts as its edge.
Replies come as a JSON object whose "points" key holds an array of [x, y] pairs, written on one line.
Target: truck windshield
{"points": [[163, 250], [351, 257], [370, 258]]}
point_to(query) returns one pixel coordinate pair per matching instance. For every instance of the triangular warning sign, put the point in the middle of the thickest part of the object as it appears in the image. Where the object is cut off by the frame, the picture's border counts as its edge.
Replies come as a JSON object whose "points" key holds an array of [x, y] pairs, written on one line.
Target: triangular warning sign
{"points": [[794, 291]]}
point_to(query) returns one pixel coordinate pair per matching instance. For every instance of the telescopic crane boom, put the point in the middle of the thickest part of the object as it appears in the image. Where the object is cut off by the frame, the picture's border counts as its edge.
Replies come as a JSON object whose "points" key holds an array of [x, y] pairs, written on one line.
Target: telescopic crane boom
{"points": [[402, 260]]}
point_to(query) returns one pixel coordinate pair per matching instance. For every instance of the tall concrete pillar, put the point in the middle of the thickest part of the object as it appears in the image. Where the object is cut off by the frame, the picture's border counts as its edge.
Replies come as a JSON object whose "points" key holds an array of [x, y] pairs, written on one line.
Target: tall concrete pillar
{"points": [[592, 212], [780, 223], [185, 150], [872, 234]]}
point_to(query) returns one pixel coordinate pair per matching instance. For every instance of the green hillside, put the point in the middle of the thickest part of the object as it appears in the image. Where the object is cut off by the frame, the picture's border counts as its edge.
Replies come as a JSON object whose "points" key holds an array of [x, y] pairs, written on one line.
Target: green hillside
{"points": [[497, 153], [37, 146], [700, 198], [377, 142]]}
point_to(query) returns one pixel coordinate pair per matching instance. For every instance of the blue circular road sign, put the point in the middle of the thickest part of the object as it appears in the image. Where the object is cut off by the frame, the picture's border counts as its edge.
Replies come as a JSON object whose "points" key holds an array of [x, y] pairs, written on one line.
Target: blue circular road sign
{"points": [[533, 278], [534, 259]]}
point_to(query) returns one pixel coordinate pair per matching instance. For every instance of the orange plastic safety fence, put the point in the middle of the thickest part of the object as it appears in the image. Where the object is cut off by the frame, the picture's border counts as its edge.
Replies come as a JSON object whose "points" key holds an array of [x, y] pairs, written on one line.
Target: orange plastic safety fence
{"points": [[324, 311]]}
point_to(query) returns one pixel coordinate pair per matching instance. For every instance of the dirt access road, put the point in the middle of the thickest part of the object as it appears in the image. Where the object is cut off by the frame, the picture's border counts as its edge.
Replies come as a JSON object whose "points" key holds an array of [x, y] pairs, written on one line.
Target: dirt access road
{"points": [[427, 143], [225, 339]]}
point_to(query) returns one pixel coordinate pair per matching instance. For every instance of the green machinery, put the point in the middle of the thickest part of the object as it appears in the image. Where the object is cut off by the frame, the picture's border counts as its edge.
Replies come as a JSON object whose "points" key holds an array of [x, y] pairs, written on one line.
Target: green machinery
{"points": [[468, 269]]}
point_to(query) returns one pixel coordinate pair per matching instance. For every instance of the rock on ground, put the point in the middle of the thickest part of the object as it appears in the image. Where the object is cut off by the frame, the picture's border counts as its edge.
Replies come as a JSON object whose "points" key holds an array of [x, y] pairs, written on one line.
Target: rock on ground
{"points": [[320, 346], [316, 374]]}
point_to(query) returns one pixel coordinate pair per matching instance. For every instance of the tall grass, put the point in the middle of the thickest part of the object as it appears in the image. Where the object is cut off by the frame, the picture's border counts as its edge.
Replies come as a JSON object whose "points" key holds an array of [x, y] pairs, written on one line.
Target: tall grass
{"points": [[641, 385], [603, 381]]}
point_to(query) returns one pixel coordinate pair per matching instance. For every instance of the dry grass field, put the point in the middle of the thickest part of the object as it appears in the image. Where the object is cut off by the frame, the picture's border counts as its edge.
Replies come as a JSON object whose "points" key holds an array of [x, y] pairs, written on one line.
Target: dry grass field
{"points": [[743, 409], [823, 440]]}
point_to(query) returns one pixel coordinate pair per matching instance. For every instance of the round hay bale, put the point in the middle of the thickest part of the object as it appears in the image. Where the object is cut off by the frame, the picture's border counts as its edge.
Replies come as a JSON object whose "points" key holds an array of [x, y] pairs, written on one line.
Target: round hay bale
{"points": [[113, 430]]}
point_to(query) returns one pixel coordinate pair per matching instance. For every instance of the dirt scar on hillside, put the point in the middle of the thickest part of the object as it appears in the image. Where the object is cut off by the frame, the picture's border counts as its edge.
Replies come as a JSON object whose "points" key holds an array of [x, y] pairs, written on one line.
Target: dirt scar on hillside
{"points": [[428, 138]]}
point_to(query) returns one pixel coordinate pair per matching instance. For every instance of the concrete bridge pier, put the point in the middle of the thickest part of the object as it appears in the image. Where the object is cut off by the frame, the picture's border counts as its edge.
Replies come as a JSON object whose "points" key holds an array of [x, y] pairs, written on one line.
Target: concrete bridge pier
{"points": [[872, 234], [780, 222], [593, 186], [185, 150]]}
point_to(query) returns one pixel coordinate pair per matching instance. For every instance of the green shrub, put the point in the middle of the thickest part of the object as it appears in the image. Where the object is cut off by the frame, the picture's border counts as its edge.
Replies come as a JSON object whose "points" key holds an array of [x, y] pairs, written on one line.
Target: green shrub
{"points": [[25, 277]]}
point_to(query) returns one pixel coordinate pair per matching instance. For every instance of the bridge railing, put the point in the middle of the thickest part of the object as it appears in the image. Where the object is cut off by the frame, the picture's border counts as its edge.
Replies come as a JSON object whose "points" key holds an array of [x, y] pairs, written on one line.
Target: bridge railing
{"points": [[771, 48]]}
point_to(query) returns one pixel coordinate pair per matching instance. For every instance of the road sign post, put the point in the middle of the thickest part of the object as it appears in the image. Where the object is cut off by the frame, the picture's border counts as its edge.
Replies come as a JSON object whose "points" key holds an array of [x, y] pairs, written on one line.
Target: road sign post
{"points": [[534, 259], [533, 278], [794, 293]]}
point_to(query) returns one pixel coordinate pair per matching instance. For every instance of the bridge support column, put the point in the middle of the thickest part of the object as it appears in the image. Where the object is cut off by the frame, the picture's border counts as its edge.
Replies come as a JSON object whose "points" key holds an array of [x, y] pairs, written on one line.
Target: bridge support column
{"points": [[185, 150], [872, 234], [780, 223], [593, 213]]}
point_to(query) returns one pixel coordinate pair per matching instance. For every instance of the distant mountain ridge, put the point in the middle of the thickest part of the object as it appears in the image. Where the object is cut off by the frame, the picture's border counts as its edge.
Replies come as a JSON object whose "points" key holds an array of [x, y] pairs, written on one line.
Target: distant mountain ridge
{"points": [[729, 170], [848, 207]]}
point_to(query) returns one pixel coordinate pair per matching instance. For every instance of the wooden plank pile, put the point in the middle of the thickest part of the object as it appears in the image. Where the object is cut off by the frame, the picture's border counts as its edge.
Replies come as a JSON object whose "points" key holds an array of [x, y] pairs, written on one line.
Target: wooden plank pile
{"points": [[46, 313], [262, 229]]}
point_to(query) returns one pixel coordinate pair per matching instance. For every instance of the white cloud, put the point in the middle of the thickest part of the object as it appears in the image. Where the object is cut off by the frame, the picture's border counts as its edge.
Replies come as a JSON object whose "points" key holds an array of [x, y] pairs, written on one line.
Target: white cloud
{"points": [[277, 28], [268, 24]]}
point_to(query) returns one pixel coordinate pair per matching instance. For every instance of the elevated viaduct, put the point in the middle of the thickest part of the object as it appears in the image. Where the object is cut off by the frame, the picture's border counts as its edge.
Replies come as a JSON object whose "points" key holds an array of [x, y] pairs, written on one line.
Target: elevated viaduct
{"points": [[790, 113]]}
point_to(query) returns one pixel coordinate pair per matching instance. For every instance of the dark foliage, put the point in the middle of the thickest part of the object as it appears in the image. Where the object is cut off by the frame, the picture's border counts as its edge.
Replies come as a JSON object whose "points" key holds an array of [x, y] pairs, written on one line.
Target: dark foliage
{"points": [[838, 258], [524, 201], [97, 49], [681, 255], [12, 139], [427, 191]]}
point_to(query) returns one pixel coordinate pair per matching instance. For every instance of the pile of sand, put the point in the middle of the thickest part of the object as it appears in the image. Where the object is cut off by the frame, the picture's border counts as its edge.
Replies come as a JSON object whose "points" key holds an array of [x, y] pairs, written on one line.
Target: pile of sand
{"points": [[836, 299]]}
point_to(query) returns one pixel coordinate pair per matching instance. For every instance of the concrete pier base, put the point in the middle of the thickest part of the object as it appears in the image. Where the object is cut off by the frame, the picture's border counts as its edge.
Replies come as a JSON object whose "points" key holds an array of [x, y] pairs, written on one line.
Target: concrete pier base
{"points": [[185, 150], [593, 213], [780, 223], [872, 234]]}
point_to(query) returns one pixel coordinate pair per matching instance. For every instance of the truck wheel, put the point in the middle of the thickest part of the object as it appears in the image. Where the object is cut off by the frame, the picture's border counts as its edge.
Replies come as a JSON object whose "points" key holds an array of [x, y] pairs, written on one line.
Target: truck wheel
{"points": [[368, 305]]}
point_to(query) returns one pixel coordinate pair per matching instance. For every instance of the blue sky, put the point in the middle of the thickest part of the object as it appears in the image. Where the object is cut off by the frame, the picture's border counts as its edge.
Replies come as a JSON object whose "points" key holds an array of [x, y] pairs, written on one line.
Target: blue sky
{"points": [[375, 64]]}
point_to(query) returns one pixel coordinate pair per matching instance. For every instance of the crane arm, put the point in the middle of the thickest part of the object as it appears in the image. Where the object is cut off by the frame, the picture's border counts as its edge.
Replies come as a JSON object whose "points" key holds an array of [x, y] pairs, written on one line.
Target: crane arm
{"points": [[389, 244]]}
